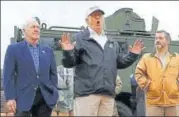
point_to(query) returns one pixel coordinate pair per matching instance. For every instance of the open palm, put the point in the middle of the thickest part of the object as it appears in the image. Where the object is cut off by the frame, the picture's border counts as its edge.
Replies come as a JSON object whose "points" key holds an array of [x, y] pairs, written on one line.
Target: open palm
{"points": [[65, 42], [137, 47]]}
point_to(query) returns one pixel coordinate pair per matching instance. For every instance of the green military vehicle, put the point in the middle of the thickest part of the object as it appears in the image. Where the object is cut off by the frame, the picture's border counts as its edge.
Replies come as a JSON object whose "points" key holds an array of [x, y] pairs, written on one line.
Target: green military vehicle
{"points": [[124, 26]]}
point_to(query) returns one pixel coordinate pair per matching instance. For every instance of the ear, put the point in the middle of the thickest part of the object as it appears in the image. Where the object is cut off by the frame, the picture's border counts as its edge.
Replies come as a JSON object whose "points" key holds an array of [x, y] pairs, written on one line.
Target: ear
{"points": [[23, 31]]}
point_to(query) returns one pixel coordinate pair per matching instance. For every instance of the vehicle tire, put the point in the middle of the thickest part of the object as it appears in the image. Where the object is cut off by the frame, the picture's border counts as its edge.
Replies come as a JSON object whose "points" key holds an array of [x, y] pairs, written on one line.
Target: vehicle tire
{"points": [[123, 110]]}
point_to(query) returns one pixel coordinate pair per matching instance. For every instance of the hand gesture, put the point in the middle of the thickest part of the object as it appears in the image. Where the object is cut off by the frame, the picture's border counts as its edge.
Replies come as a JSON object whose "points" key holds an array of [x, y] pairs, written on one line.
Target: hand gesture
{"points": [[137, 47], [65, 42]]}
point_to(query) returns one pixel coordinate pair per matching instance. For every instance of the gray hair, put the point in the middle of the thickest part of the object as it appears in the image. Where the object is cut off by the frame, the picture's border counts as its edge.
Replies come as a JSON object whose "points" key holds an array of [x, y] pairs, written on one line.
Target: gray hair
{"points": [[29, 21], [167, 35]]}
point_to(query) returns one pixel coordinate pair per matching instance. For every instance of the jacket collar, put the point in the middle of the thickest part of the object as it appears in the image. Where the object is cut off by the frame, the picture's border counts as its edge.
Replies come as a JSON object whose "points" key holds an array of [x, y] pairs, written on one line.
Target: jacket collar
{"points": [[86, 35], [171, 54], [30, 45], [92, 32]]}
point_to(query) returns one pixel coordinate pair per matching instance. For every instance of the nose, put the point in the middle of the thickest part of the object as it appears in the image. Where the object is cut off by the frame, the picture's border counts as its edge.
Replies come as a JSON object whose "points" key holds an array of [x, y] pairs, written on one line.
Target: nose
{"points": [[37, 29], [97, 17]]}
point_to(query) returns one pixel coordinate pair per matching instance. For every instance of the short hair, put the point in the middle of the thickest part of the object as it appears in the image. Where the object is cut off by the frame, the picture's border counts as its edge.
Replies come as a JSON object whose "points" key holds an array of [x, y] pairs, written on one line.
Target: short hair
{"points": [[167, 35], [29, 20]]}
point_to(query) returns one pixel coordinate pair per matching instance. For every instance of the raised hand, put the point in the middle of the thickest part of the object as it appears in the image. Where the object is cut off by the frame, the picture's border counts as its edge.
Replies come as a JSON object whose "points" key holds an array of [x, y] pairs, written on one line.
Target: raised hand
{"points": [[65, 42], [137, 47]]}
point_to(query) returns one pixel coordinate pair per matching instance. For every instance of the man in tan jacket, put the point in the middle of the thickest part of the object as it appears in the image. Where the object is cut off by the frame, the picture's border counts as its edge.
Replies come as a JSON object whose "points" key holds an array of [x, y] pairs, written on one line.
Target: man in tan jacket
{"points": [[158, 75]]}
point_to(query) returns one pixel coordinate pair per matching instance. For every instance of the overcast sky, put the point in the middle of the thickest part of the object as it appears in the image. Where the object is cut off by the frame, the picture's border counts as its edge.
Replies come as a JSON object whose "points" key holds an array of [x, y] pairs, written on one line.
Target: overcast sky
{"points": [[72, 13]]}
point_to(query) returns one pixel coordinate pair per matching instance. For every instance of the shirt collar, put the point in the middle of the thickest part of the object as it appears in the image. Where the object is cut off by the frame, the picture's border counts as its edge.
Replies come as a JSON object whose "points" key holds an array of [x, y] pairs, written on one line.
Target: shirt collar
{"points": [[165, 55], [30, 45], [92, 32], [171, 54]]}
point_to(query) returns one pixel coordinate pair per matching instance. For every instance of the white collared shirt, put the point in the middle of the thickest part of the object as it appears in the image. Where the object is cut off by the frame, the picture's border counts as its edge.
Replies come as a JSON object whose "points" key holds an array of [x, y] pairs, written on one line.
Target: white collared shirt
{"points": [[163, 59], [100, 39]]}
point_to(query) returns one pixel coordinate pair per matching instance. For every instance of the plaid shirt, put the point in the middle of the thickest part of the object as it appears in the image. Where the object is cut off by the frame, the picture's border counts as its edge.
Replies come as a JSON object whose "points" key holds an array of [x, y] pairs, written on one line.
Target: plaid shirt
{"points": [[34, 50]]}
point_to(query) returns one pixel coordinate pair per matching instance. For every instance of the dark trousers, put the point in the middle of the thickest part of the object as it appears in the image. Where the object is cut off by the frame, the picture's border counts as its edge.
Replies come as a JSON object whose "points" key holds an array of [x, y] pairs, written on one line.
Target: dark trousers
{"points": [[39, 107], [140, 97]]}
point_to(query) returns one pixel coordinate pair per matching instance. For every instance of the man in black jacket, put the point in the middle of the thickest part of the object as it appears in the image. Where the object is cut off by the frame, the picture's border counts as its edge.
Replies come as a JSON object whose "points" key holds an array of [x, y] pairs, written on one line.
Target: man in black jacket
{"points": [[96, 60]]}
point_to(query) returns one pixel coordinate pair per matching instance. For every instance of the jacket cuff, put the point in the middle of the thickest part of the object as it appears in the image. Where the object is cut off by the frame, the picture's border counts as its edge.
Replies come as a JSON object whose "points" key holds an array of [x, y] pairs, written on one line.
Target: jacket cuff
{"points": [[146, 87], [133, 55], [68, 53], [10, 98]]}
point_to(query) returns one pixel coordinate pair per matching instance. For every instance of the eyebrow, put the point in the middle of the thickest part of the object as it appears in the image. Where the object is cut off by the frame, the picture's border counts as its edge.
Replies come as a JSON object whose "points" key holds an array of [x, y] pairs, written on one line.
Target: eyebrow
{"points": [[34, 25]]}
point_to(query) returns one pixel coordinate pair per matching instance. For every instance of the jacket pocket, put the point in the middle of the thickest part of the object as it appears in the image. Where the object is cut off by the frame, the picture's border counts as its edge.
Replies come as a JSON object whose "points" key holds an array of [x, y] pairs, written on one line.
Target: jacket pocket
{"points": [[173, 89], [153, 90], [25, 85]]}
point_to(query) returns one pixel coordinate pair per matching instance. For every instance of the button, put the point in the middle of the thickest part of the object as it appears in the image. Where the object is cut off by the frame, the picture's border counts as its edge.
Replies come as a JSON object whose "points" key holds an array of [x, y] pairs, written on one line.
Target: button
{"points": [[36, 87]]}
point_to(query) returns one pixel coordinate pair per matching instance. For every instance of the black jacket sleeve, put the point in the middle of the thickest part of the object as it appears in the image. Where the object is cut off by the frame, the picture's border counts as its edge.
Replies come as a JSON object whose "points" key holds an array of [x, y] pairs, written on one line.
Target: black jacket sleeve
{"points": [[72, 57], [125, 60]]}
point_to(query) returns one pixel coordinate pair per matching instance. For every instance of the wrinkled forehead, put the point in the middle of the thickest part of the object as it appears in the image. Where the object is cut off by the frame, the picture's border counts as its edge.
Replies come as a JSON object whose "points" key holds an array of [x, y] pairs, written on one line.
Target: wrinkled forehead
{"points": [[160, 35]]}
